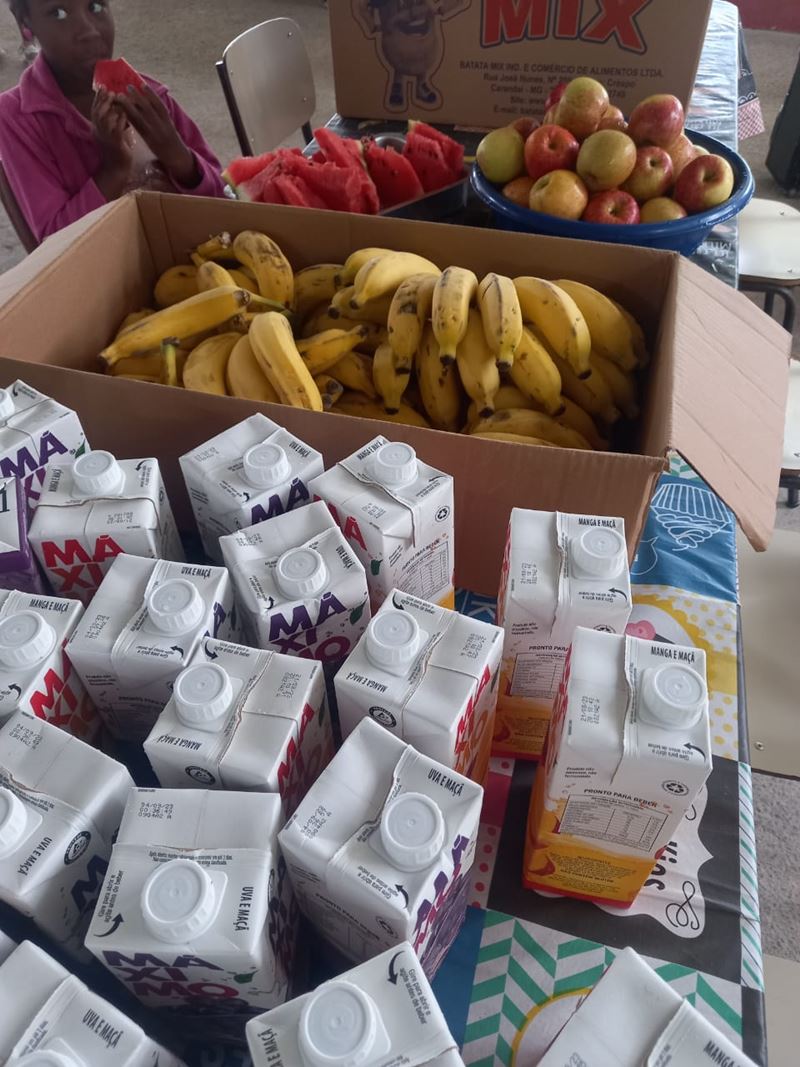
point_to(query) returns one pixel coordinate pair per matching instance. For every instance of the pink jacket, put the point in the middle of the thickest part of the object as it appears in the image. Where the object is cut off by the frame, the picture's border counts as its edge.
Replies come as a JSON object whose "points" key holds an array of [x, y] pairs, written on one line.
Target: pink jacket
{"points": [[49, 152]]}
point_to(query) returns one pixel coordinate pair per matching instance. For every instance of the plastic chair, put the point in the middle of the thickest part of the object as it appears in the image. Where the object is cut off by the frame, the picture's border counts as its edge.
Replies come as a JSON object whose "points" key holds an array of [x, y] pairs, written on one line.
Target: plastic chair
{"points": [[268, 85], [15, 216]]}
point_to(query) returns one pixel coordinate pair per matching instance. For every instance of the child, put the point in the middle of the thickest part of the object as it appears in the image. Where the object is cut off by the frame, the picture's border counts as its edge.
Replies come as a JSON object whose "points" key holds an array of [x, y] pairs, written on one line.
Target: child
{"points": [[66, 149]]}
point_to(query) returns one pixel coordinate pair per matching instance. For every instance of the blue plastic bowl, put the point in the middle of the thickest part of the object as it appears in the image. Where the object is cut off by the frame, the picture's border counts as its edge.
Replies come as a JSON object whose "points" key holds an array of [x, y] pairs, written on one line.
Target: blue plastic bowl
{"points": [[678, 235]]}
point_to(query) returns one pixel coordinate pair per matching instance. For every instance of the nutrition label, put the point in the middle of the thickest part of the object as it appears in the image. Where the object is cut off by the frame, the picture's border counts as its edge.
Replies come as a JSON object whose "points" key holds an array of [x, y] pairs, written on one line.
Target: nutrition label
{"points": [[617, 821], [537, 674], [429, 573]]}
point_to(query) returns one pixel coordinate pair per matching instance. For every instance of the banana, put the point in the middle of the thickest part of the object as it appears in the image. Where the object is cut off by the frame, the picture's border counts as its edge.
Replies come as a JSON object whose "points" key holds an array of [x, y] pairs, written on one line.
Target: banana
{"points": [[408, 313], [528, 423], [274, 348], [319, 320], [270, 266], [477, 367], [243, 279], [375, 311], [452, 296], [329, 389], [577, 418], [205, 311], [374, 337], [383, 274], [608, 328], [148, 365], [205, 368], [312, 285], [637, 334], [438, 384], [389, 380], [592, 393], [169, 360], [364, 408], [513, 438], [175, 284], [211, 275], [321, 351], [217, 247], [243, 376], [502, 317], [535, 374], [354, 371], [557, 317], [356, 260], [134, 316], [622, 386]]}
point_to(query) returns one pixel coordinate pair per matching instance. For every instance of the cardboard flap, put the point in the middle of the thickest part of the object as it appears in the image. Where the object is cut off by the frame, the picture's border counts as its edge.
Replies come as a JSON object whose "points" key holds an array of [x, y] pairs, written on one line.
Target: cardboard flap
{"points": [[730, 378]]}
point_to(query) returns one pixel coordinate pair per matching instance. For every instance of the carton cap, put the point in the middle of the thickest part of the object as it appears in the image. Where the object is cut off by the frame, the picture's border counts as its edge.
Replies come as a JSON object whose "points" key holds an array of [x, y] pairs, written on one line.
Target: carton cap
{"points": [[673, 696], [97, 474], [25, 639], [203, 693], [394, 464], [412, 831], [13, 819], [178, 901], [393, 639], [599, 552], [49, 1058], [175, 606], [265, 465], [338, 1026], [6, 404], [301, 572]]}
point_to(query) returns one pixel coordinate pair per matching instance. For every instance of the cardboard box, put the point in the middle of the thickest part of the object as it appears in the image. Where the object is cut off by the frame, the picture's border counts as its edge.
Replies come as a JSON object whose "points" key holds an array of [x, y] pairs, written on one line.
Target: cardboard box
{"points": [[485, 62], [716, 384]]}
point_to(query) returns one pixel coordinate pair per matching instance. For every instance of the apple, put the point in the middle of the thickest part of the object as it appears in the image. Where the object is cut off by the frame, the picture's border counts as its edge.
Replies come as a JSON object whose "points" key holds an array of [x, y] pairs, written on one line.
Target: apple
{"points": [[550, 148], [612, 205], [606, 159], [704, 182], [561, 192], [681, 151], [550, 116], [612, 119], [525, 125], [656, 120], [555, 95], [582, 105], [661, 209], [501, 155], [652, 174], [518, 191]]}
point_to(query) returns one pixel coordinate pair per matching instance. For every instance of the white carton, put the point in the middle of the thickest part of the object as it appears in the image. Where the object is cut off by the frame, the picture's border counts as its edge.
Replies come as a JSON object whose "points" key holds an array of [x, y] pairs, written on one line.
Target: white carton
{"points": [[430, 676], [299, 587], [7, 946], [380, 848], [34, 430], [633, 1018], [559, 571], [35, 672], [196, 912], [380, 1014], [250, 472], [243, 719], [397, 513], [627, 753], [51, 1019], [18, 566], [93, 509], [61, 802], [140, 630]]}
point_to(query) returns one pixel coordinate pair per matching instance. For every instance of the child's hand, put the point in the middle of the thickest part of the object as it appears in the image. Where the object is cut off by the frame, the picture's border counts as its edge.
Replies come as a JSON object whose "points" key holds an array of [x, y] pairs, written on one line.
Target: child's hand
{"points": [[151, 120], [110, 130]]}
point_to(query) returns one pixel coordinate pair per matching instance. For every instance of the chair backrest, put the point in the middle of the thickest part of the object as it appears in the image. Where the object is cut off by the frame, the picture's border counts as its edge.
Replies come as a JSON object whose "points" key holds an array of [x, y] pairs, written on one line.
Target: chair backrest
{"points": [[16, 218], [270, 85]]}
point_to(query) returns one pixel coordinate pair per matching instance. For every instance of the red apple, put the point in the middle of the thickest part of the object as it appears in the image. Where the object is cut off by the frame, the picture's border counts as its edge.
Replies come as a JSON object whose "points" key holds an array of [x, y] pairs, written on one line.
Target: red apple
{"points": [[555, 95], [581, 106], [525, 125], [606, 159], [550, 148], [613, 206], [652, 174], [612, 119], [681, 152], [661, 209], [561, 192], [550, 116], [518, 191], [704, 182], [657, 120]]}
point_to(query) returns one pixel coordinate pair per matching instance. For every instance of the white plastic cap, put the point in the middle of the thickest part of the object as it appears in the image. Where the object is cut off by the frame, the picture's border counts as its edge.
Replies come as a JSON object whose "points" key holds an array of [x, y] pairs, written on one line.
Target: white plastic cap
{"points": [[394, 464], [599, 552], [393, 639], [175, 607], [338, 1026], [97, 474], [178, 901], [266, 465], [412, 831], [301, 572], [7, 406], [51, 1058], [26, 638], [203, 693], [13, 820], [673, 696]]}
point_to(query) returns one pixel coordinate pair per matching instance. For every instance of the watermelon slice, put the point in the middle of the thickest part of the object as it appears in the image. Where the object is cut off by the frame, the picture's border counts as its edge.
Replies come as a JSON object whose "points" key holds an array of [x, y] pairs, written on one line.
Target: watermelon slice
{"points": [[339, 187], [427, 158], [345, 151], [260, 189], [115, 75], [452, 151], [297, 192], [392, 174], [246, 167]]}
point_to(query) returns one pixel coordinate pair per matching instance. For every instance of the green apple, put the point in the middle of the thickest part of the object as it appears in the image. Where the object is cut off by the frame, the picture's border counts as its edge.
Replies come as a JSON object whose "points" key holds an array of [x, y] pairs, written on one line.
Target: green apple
{"points": [[501, 155]]}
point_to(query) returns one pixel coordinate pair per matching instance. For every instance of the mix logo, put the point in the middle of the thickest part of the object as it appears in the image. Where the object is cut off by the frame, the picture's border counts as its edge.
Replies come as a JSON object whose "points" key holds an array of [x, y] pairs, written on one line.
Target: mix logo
{"points": [[510, 21]]}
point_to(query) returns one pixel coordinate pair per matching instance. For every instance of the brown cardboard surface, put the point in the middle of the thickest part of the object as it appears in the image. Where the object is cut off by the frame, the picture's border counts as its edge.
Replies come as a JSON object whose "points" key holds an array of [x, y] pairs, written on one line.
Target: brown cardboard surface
{"points": [[484, 62]]}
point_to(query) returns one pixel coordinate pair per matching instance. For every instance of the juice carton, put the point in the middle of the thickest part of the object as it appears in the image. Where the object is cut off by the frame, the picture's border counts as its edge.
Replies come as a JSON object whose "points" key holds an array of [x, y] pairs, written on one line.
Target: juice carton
{"points": [[51, 1019], [141, 629], [560, 571], [627, 753], [35, 672], [379, 1014], [196, 913], [243, 719], [633, 1017], [93, 509], [18, 567], [251, 472], [380, 848], [61, 802], [299, 586], [430, 676], [35, 430], [397, 513], [7, 946]]}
